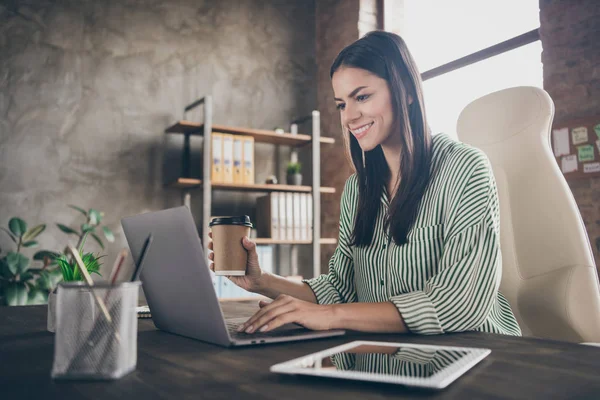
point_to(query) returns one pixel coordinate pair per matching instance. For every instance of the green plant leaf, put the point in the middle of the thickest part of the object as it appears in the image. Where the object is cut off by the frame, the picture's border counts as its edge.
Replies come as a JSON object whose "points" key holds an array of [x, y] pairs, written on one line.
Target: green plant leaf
{"points": [[108, 234], [31, 243], [65, 268], [81, 210], [98, 240], [16, 294], [5, 272], [39, 256], [68, 230], [17, 226], [17, 262], [87, 228], [26, 276], [95, 216], [33, 233], [14, 239], [37, 296]]}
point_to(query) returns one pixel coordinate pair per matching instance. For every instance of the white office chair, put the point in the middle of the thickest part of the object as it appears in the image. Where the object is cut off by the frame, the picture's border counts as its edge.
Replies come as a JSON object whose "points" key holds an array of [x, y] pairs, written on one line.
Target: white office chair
{"points": [[549, 276]]}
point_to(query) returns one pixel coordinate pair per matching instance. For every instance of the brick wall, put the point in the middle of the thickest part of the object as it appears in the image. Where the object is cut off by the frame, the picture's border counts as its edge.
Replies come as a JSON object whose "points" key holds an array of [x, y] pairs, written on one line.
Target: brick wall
{"points": [[338, 23], [570, 34]]}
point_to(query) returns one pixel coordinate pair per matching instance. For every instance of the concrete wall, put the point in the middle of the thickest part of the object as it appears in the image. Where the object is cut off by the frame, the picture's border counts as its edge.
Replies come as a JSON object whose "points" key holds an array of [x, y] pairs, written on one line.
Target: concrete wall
{"points": [[570, 35], [87, 88]]}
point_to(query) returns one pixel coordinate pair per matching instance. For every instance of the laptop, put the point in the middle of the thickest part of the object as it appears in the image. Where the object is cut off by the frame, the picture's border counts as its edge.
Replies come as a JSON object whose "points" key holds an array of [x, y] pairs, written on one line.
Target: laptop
{"points": [[178, 283]]}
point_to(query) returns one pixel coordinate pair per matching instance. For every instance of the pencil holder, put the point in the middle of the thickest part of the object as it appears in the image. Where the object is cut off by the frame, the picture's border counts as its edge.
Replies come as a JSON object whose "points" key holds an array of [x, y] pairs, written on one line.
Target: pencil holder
{"points": [[96, 331]]}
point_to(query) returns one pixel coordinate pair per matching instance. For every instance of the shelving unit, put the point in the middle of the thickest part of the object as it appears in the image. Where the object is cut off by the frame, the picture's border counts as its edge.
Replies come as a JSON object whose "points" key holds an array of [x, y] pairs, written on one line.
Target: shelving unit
{"points": [[293, 139]]}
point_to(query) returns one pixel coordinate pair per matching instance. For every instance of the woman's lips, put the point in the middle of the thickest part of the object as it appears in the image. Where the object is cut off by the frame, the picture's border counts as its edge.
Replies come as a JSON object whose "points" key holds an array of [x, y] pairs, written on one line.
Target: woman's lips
{"points": [[362, 131]]}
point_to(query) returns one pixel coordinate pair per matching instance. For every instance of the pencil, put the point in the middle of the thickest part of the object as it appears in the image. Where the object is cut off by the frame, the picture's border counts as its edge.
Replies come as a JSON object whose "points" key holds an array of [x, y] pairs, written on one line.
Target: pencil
{"points": [[117, 266]]}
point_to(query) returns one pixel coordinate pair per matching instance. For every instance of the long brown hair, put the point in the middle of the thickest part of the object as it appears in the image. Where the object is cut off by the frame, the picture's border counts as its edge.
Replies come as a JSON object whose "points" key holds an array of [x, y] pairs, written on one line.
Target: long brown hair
{"points": [[386, 55]]}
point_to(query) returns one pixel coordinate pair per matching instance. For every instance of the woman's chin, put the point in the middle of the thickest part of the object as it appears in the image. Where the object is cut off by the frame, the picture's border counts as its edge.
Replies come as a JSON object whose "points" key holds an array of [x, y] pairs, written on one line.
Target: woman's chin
{"points": [[367, 145]]}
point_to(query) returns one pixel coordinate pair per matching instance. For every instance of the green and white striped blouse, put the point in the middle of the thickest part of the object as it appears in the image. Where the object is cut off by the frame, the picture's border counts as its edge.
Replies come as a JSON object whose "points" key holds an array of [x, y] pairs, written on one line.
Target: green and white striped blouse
{"points": [[446, 277]]}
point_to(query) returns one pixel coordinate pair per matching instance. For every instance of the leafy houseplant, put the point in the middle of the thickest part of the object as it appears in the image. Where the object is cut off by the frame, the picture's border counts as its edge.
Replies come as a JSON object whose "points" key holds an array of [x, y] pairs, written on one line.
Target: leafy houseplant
{"points": [[67, 265], [20, 284], [294, 177]]}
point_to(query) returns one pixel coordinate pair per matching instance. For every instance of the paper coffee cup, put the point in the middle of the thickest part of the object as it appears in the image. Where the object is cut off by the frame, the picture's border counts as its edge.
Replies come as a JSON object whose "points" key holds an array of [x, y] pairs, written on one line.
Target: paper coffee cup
{"points": [[230, 256]]}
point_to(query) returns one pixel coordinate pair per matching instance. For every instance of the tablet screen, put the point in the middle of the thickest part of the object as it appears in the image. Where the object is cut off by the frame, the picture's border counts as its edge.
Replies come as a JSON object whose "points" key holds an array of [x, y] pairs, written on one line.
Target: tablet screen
{"points": [[398, 361], [401, 363]]}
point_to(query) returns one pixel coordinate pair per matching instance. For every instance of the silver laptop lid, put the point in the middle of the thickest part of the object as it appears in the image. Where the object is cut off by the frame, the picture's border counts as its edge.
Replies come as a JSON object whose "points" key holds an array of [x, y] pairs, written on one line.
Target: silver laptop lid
{"points": [[176, 280]]}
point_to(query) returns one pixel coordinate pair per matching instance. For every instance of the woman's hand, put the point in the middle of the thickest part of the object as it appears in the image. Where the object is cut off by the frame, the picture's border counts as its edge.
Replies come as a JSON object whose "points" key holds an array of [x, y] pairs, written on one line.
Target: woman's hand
{"points": [[287, 309], [254, 277]]}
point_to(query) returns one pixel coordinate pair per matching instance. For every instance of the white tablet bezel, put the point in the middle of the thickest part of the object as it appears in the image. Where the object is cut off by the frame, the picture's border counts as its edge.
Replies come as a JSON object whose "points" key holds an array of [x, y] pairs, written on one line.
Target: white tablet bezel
{"points": [[439, 380]]}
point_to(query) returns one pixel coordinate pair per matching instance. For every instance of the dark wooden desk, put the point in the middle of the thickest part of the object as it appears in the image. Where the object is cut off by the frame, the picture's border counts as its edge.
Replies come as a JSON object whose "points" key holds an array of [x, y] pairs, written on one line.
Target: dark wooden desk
{"points": [[173, 367]]}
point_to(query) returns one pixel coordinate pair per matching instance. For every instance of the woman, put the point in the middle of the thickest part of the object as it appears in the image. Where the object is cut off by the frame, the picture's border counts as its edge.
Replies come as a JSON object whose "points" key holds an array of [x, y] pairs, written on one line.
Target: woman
{"points": [[419, 243]]}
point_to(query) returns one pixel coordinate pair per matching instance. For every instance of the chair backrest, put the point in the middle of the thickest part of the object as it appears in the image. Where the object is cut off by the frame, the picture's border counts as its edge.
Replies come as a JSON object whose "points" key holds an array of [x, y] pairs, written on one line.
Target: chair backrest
{"points": [[549, 276]]}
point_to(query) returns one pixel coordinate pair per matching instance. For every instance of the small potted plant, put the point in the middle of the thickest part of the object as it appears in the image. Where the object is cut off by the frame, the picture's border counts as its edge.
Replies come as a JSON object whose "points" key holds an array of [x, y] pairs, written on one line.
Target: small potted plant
{"points": [[68, 266], [20, 282], [294, 177]]}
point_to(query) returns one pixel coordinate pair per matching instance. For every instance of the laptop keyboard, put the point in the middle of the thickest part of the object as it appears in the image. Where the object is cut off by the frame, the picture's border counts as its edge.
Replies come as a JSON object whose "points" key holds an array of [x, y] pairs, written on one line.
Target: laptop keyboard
{"points": [[286, 330]]}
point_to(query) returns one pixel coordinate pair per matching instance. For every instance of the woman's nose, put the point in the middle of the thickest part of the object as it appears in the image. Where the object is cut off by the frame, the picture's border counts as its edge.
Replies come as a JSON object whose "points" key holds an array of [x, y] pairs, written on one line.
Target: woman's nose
{"points": [[351, 113]]}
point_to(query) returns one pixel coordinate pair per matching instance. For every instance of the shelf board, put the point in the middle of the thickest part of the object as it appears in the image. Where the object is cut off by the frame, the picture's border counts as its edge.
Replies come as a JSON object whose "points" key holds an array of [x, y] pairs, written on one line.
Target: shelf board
{"points": [[189, 183], [276, 241], [259, 135]]}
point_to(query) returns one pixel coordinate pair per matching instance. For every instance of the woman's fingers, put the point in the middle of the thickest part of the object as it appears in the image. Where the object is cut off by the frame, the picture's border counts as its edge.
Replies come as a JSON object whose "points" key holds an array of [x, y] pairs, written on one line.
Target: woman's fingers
{"points": [[210, 245], [212, 267], [210, 235], [211, 256], [267, 313]]}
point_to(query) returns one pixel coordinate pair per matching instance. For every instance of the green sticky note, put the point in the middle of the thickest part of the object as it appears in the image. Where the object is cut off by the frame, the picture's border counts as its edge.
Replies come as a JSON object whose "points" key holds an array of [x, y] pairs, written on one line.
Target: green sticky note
{"points": [[597, 130], [585, 153]]}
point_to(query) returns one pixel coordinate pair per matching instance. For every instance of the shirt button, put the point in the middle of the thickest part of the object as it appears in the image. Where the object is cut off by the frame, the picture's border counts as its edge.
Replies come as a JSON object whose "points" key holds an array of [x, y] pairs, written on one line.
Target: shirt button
{"points": [[382, 283], [384, 245]]}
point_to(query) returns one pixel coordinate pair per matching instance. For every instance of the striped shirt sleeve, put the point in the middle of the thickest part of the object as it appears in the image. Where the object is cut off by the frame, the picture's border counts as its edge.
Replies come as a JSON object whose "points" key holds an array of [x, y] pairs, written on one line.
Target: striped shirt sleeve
{"points": [[460, 296], [338, 285]]}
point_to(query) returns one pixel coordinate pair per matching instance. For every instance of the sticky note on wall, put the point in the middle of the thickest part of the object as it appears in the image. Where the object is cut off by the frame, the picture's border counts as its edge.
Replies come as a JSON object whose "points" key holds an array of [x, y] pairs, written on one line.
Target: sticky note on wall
{"points": [[580, 135], [585, 153]]}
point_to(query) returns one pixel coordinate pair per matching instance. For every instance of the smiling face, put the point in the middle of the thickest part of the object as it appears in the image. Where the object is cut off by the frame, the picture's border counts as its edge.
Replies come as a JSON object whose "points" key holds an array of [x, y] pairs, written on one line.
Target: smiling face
{"points": [[365, 106]]}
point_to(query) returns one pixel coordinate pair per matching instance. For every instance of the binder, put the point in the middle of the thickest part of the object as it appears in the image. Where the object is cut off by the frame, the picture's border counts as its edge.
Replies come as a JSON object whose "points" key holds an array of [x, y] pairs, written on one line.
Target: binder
{"points": [[238, 177], [248, 159], [227, 158], [217, 158], [297, 219], [309, 222], [267, 216], [304, 224], [283, 233], [289, 215]]}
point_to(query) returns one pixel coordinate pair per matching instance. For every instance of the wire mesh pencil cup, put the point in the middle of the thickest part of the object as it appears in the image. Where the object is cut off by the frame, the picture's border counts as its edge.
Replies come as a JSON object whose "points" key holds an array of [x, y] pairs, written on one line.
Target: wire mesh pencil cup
{"points": [[96, 330]]}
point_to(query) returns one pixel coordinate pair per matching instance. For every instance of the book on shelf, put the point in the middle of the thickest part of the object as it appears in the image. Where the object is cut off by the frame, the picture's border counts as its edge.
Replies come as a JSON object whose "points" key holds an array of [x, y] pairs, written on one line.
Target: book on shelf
{"points": [[227, 158], [238, 159], [297, 217], [267, 216], [248, 159], [282, 217], [309, 216], [217, 158], [289, 215]]}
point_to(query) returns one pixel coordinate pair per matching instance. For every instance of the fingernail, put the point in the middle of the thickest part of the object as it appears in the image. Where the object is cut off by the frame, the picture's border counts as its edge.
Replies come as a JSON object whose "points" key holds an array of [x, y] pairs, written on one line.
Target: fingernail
{"points": [[249, 329], [264, 328]]}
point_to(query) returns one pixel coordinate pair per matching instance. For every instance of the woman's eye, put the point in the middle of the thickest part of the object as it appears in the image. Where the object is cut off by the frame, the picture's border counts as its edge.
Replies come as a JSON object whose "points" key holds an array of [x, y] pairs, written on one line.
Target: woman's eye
{"points": [[340, 106], [362, 97]]}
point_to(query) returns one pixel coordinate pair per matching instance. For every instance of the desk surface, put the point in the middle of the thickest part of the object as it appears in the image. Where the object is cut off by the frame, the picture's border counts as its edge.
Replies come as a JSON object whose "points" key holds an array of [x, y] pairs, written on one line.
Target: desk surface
{"points": [[174, 367]]}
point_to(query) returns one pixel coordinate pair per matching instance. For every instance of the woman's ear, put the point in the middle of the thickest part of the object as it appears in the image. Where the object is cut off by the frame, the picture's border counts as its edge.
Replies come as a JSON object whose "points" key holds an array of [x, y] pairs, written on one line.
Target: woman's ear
{"points": [[410, 100]]}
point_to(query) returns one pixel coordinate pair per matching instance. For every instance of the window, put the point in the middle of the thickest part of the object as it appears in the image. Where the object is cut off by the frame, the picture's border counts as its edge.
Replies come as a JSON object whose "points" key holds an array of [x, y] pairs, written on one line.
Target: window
{"points": [[439, 32]]}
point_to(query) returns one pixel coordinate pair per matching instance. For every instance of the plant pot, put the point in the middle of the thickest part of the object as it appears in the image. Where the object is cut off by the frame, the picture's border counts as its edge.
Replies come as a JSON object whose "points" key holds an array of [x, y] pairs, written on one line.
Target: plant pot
{"points": [[294, 179]]}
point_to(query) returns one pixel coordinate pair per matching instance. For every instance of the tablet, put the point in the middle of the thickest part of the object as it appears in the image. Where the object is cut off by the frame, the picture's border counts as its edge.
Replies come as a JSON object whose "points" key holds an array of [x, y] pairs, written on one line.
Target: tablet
{"points": [[433, 367]]}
